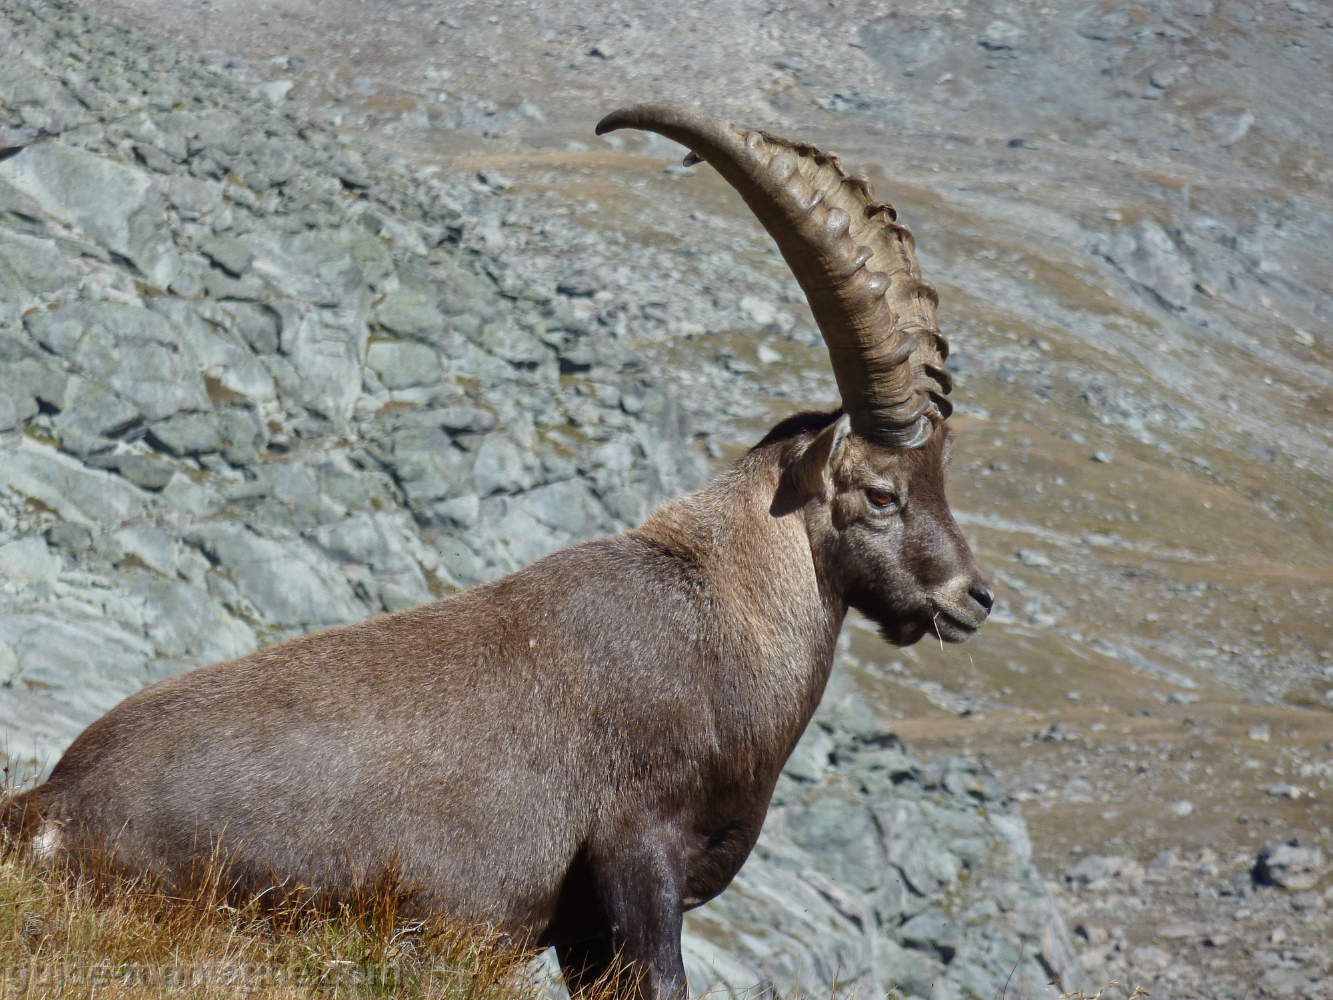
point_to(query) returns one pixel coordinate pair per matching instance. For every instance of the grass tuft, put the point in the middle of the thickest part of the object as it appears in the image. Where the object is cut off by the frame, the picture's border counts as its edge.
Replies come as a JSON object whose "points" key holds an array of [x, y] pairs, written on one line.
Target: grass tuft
{"points": [[90, 932], [1139, 991]]}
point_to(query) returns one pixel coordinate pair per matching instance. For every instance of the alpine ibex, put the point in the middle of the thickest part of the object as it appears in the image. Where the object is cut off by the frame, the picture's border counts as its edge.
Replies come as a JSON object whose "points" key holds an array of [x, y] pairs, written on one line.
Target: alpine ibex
{"points": [[582, 751]]}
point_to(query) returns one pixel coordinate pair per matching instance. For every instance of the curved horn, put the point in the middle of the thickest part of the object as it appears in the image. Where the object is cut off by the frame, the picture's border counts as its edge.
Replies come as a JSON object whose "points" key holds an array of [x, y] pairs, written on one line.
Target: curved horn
{"points": [[856, 263]]}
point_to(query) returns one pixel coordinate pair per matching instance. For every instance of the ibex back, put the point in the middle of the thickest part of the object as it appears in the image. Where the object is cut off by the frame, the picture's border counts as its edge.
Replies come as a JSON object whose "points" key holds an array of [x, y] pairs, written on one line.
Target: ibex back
{"points": [[582, 751]]}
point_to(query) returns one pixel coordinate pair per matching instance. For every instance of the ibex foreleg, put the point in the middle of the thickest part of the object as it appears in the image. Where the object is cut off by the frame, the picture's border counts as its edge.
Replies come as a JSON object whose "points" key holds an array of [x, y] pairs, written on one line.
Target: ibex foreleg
{"points": [[638, 878]]}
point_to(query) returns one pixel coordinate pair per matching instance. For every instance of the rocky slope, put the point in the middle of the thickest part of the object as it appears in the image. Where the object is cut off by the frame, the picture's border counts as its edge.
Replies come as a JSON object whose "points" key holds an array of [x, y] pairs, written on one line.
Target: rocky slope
{"points": [[255, 380]]}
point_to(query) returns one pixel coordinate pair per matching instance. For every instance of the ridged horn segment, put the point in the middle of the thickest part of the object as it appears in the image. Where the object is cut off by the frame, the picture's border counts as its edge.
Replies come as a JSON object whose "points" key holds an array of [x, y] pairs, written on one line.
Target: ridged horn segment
{"points": [[855, 261]]}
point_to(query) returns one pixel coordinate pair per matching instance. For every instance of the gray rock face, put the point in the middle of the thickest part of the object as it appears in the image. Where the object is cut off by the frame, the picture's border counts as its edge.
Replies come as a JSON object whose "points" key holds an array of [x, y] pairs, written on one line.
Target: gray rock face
{"points": [[189, 434], [132, 351], [52, 653], [251, 384], [229, 254], [31, 266], [377, 543], [411, 314], [501, 467], [429, 467], [1288, 864], [1149, 258], [28, 560], [325, 349], [301, 475], [403, 365], [114, 205], [293, 583], [9, 413]]}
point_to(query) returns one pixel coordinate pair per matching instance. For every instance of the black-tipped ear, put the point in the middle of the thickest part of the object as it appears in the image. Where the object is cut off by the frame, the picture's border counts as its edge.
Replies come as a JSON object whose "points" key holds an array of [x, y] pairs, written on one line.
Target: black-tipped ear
{"points": [[812, 474]]}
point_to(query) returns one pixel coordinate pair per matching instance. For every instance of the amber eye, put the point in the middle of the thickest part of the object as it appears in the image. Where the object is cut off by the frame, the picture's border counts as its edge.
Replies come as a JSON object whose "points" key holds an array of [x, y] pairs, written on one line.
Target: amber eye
{"points": [[882, 499]]}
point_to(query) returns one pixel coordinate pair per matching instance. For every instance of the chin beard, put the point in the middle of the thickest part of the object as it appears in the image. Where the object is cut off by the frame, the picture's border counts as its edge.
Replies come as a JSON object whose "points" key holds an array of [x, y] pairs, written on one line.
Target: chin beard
{"points": [[895, 629], [902, 632]]}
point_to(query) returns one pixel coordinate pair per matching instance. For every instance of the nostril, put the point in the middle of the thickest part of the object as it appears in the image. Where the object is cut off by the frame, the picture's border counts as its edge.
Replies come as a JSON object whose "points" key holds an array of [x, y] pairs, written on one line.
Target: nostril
{"points": [[983, 597]]}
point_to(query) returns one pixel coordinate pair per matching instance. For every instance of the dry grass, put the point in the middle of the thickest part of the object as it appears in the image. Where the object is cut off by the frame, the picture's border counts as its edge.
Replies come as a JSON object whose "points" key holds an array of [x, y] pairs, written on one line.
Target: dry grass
{"points": [[88, 930], [1139, 991], [90, 933]]}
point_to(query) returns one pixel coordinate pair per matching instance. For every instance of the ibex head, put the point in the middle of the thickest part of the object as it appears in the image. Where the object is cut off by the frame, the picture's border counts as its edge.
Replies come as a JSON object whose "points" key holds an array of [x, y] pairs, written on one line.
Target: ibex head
{"points": [[882, 534], [871, 481]]}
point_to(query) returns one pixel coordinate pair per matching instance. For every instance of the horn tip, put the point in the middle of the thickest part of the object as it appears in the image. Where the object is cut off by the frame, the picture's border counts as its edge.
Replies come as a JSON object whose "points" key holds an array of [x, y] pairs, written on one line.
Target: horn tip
{"points": [[639, 115], [618, 119]]}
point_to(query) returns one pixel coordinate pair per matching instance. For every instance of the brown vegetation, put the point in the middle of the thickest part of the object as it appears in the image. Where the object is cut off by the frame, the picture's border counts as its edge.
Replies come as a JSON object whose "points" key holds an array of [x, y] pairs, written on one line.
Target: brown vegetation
{"points": [[93, 932]]}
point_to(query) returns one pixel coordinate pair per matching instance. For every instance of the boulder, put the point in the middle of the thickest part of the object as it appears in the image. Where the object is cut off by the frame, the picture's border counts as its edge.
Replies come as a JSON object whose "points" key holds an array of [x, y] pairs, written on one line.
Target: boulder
{"points": [[325, 348], [512, 537], [1151, 259], [313, 267], [188, 434], [403, 364], [934, 931], [28, 560], [142, 470], [228, 253], [501, 466], [89, 407], [133, 351], [464, 419], [75, 492], [27, 380], [372, 540], [410, 313], [294, 584], [515, 345], [376, 542], [429, 467], [149, 544], [260, 325], [112, 203], [570, 507], [30, 266], [1292, 864]]}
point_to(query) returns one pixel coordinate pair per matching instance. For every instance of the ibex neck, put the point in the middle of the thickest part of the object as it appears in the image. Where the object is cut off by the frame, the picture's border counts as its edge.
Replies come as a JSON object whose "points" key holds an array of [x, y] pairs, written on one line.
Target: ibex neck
{"points": [[778, 620]]}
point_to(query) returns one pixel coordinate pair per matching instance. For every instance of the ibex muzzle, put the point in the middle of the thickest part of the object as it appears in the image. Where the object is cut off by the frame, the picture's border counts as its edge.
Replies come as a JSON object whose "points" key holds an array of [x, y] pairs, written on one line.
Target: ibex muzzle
{"points": [[583, 750]]}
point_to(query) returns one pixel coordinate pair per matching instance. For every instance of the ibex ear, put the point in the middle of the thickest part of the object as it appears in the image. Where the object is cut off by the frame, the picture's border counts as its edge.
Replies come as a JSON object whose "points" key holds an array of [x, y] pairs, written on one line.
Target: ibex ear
{"points": [[813, 472]]}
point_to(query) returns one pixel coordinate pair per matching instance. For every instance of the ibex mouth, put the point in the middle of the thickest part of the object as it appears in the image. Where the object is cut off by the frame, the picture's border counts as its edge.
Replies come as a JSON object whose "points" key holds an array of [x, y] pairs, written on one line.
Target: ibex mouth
{"points": [[950, 626], [960, 608]]}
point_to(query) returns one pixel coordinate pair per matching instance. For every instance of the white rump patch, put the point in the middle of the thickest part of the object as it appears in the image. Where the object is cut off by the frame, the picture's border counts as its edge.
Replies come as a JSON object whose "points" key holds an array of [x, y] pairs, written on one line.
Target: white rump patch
{"points": [[47, 842]]}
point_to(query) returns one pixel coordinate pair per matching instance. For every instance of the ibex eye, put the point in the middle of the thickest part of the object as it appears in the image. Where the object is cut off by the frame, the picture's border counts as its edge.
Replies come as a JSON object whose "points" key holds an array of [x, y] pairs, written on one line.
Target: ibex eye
{"points": [[882, 499]]}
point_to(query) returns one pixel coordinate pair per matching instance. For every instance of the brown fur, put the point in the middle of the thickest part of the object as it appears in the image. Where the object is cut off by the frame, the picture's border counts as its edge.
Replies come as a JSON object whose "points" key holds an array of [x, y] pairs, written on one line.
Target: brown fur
{"points": [[577, 752]]}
